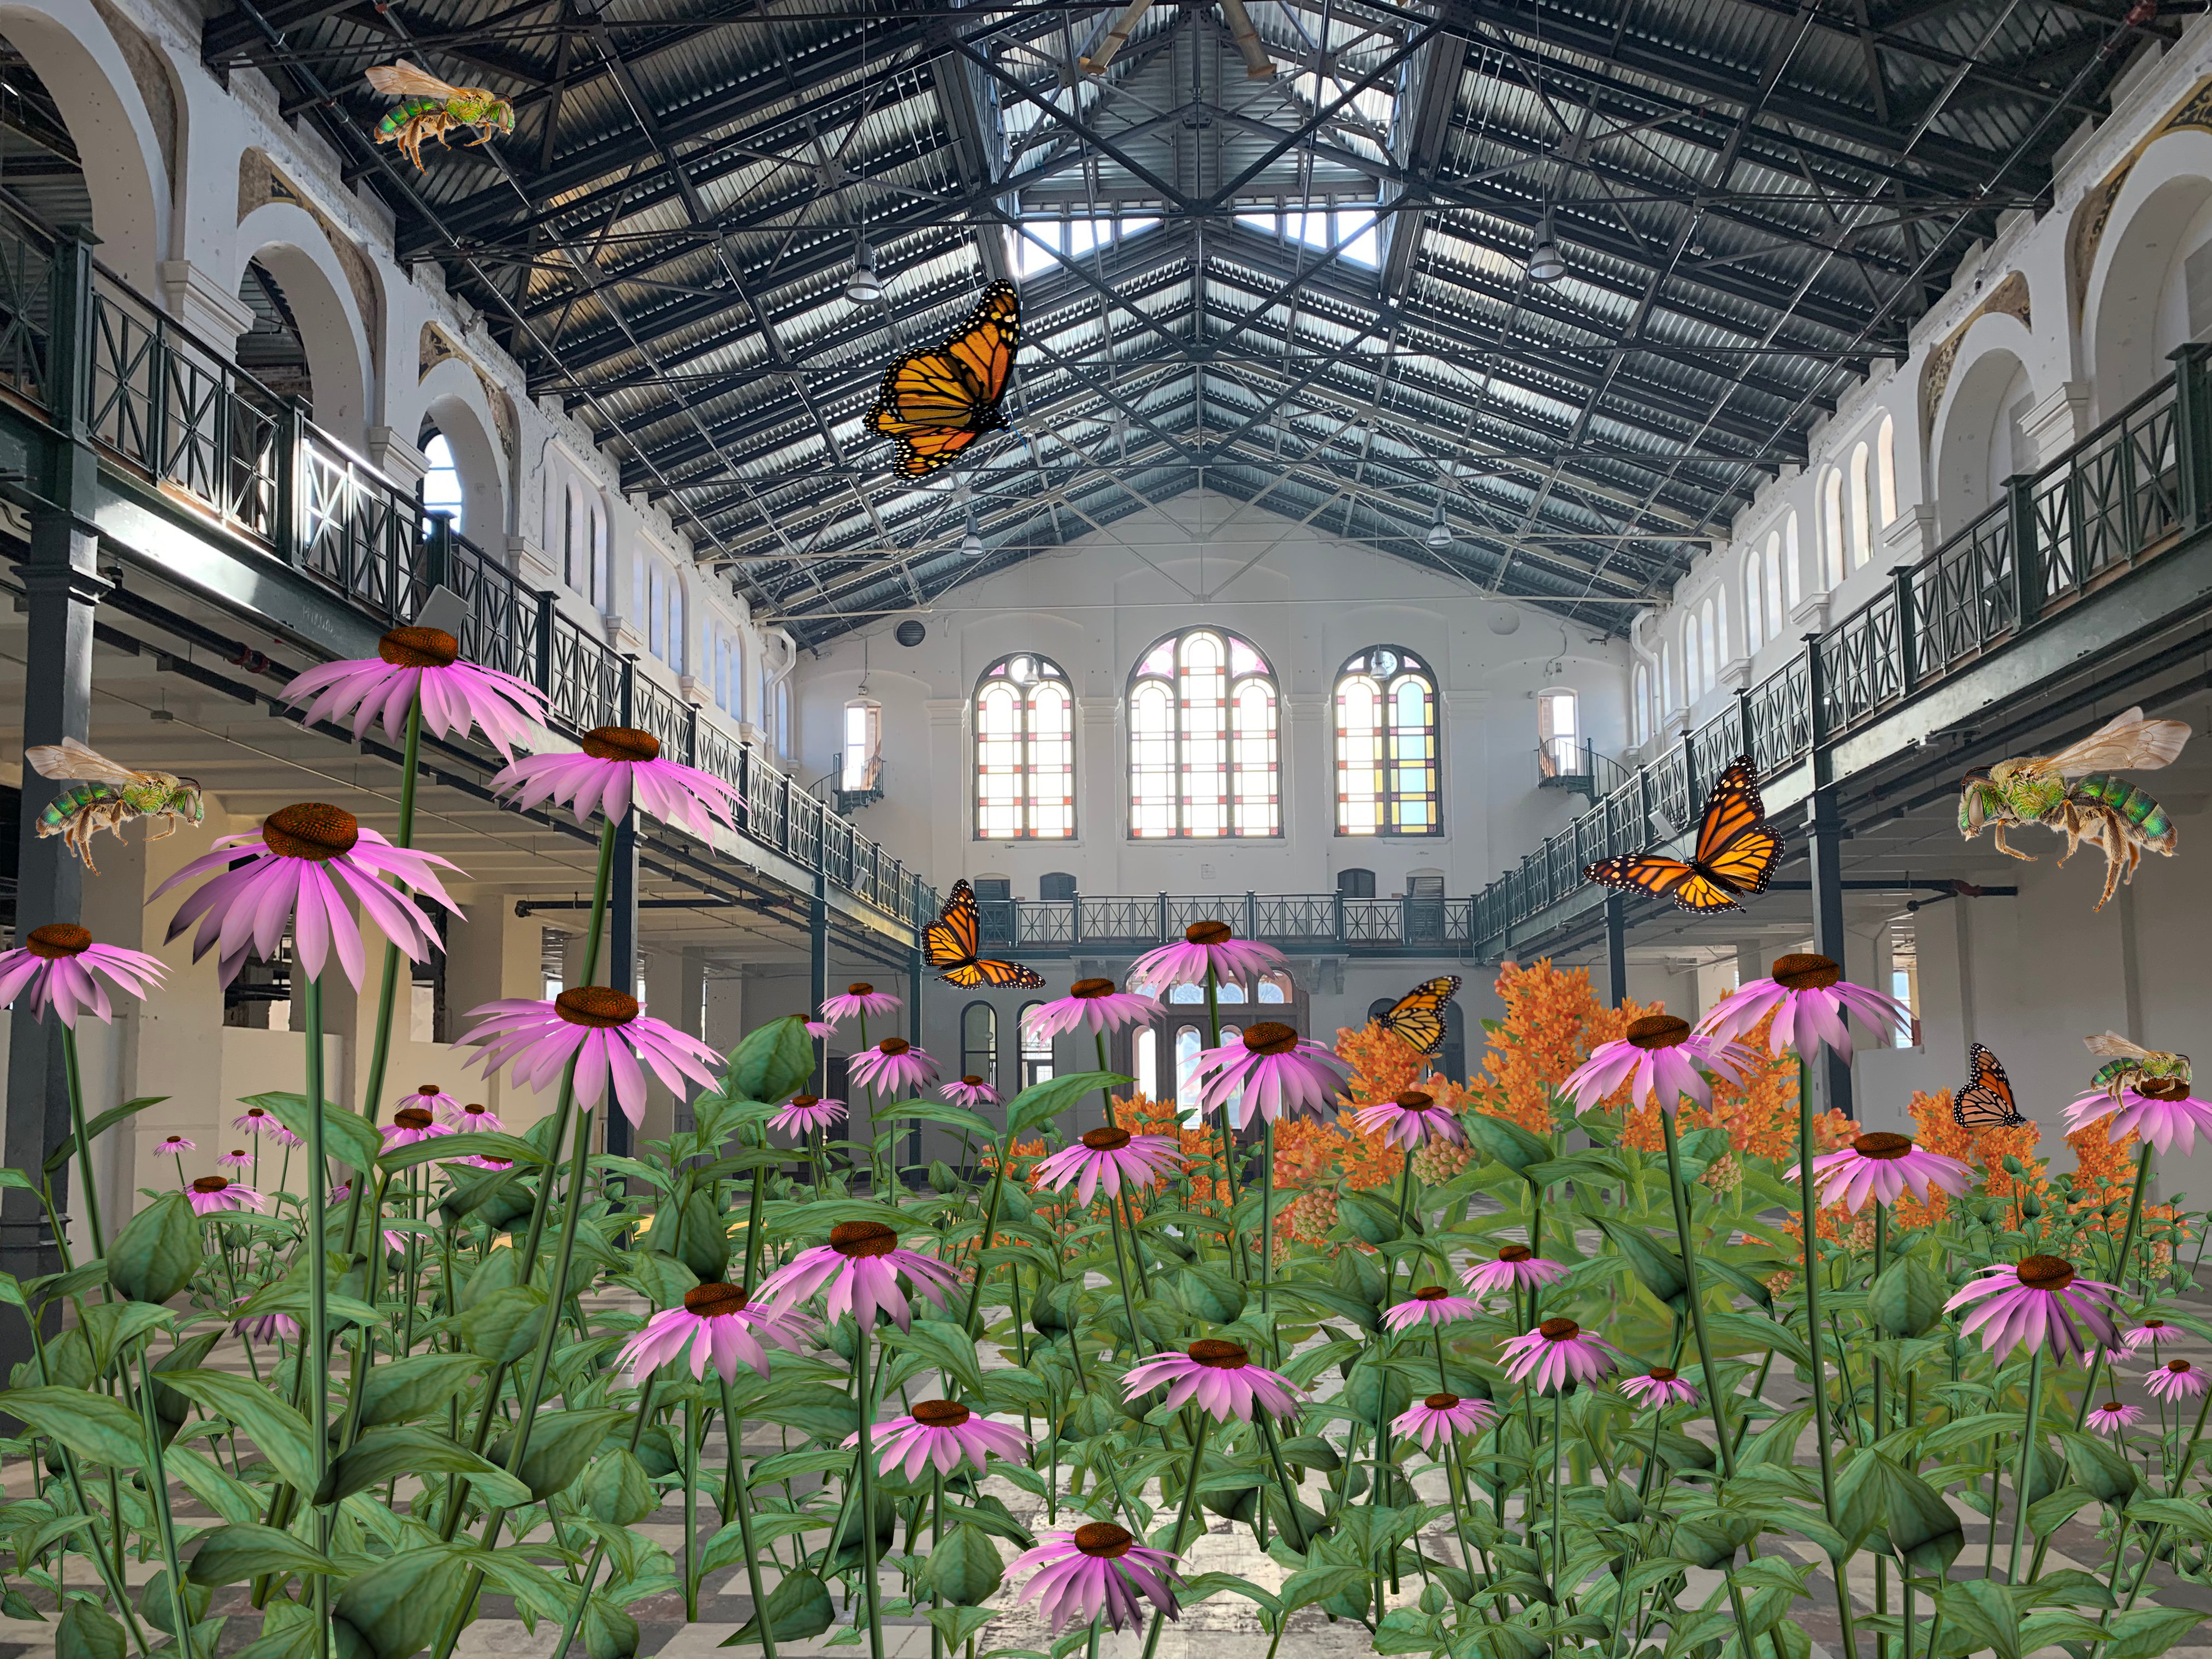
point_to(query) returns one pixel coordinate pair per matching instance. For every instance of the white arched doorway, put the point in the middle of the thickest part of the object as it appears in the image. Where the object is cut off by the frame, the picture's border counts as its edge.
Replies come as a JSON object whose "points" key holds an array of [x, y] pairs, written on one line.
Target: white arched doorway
{"points": [[454, 406], [1980, 436], [2139, 304], [288, 243]]}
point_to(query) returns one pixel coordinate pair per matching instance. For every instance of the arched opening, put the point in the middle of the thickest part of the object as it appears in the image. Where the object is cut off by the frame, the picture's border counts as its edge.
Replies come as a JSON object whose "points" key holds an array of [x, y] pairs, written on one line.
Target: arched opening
{"points": [[272, 351], [292, 250], [1981, 438], [454, 408], [441, 478], [2142, 291], [979, 1043]]}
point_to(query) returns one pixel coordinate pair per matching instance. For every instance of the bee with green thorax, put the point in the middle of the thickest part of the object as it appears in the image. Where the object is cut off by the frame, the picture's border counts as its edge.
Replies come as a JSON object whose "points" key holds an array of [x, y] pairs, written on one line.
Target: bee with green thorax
{"points": [[107, 797], [2130, 1065], [435, 109], [2073, 794]]}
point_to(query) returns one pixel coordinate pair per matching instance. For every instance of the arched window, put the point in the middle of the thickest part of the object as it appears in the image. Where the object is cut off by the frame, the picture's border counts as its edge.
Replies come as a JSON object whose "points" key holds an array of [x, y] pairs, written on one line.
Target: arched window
{"points": [[1775, 620], [862, 755], [1752, 611], [1024, 751], [600, 590], [1717, 649], [575, 549], [1036, 1050], [1203, 742], [1831, 527], [979, 1042], [442, 484], [656, 597], [1861, 517], [678, 622], [1884, 470], [1791, 565], [1385, 745], [1559, 733], [1666, 680], [1693, 687], [1642, 712], [1146, 1046]]}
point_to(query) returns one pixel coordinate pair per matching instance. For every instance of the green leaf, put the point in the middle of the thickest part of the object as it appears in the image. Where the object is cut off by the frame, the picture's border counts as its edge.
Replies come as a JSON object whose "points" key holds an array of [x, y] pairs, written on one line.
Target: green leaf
{"points": [[388, 1454], [700, 1237], [617, 1491], [946, 1347], [229, 1555], [799, 1610], [403, 1388], [1207, 1293], [1907, 1299], [2192, 1518], [959, 1119], [1981, 1613], [112, 1327], [1309, 1585], [1202, 1585], [2094, 1464], [561, 1444], [477, 1142], [1367, 1218], [96, 1427], [771, 1063], [2046, 1515], [1330, 1299], [609, 1632], [398, 1606], [93, 1131], [957, 1624], [1508, 1143], [231, 1499], [347, 1136], [279, 1431], [1041, 1103], [156, 1254], [87, 1633], [1658, 1266], [505, 1325], [965, 1567], [2146, 1633]]}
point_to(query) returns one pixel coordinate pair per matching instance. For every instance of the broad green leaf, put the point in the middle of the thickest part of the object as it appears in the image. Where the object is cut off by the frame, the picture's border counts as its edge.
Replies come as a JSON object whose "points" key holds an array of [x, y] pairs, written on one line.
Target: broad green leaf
{"points": [[2046, 1515], [959, 1119], [700, 1238], [946, 1347], [957, 1624], [617, 1489], [965, 1567], [1981, 1611], [2094, 1464], [1369, 1219], [609, 1632], [2193, 1518], [505, 1325], [561, 1444], [1207, 1293], [1041, 1103], [231, 1499], [1331, 1299], [403, 1388], [1659, 1267], [110, 1327], [1505, 1142], [87, 1633], [2146, 1633], [347, 1137], [1310, 1585], [477, 1142], [80, 1281], [95, 1426], [229, 1555], [1202, 1585], [157, 1252], [771, 1063], [387, 1453], [279, 1431], [398, 1606], [1908, 1298], [93, 1129], [1749, 1331], [799, 1610]]}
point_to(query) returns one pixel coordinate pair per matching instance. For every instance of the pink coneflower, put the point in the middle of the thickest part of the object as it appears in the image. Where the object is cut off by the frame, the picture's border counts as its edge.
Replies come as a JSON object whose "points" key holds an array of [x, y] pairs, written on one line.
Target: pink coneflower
{"points": [[478, 1161], [254, 1120], [1443, 1417], [2174, 1382], [1270, 1070], [212, 1194], [1557, 1353], [1809, 999], [410, 1124], [1659, 1387], [2160, 1109], [2150, 1333], [1098, 1571], [237, 1159], [1221, 1375], [1432, 1304], [893, 1067], [1106, 1157], [971, 1092], [1410, 1119], [859, 999], [432, 1097], [473, 1116], [818, 1029], [2111, 1417], [174, 1145], [58, 967], [1662, 1061], [1880, 1165], [266, 1327], [2034, 1300], [861, 1267], [944, 1432], [310, 859], [717, 1323], [613, 764], [1516, 1269], [409, 661], [803, 1115], [605, 1031], [1090, 1002], [1208, 946]]}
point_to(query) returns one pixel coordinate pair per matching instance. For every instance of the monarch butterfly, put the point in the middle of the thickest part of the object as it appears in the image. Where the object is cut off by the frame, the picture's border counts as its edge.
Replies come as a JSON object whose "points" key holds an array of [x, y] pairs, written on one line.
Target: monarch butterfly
{"points": [[936, 402], [1737, 851], [1419, 1016], [948, 945], [1986, 1102]]}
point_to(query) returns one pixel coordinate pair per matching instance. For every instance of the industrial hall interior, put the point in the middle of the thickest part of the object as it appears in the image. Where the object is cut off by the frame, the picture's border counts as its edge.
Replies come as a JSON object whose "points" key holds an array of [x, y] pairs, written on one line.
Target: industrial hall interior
{"points": [[1105, 827]]}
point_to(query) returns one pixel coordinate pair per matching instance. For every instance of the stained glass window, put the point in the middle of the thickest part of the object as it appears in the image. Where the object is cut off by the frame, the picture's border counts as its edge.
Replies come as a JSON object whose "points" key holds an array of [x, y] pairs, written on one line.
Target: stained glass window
{"points": [[1205, 740], [1024, 751], [1385, 745]]}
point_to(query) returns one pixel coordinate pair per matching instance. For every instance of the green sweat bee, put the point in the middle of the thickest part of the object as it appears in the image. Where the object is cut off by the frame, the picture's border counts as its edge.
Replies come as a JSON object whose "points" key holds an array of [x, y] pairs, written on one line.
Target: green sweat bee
{"points": [[2130, 1065], [107, 797], [2073, 794], [435, 109]]}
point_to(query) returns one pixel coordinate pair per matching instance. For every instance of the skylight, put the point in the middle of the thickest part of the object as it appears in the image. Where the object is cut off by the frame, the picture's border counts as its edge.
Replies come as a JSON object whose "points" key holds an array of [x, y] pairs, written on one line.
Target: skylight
{"points": [[1352, 228], [1033, 247]]}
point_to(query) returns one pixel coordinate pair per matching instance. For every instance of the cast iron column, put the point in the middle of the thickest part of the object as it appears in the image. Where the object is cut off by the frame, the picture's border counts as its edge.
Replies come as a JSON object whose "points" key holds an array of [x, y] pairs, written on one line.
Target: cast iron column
{"points": [[1824, 846], [1616, 945]]}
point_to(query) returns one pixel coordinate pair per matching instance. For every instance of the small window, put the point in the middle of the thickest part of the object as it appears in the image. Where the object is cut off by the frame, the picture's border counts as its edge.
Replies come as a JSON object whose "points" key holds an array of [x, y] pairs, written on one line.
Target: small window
{"points": [[441, 483], [1559, 735], [1752, 637], [1831, 527], [1861, 541], [1036, 1051], [1356, 883], [1776, 622], [1387, 745], [656, 596], [1057, 886], [1791, 565], [1709, 647], [864, 745], [1690, 687], [1642, 711], [575, 549], [1025, 719], [1666, 679], [1886, 470], [1146, 1047], [979, 1042], [601, 588]]}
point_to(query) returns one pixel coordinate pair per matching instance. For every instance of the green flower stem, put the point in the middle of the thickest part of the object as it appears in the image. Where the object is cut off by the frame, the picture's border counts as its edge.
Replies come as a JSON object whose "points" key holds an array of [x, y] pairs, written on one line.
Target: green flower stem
{"points": [[1120, 1278], [1136, 1249], [1189, 1502], [2119, 1276], [690, 1512], [1268, 1218], [2188, 1461], [1808, 1217], [83, 1140], [1559, 1446], [109, 1567], [318, 1272], [165, 1520], [864, 1461], [2027, 1444], [990, 1227], [600, 1549], [1294, 1523], [379, 1051], [1695, 1296]]}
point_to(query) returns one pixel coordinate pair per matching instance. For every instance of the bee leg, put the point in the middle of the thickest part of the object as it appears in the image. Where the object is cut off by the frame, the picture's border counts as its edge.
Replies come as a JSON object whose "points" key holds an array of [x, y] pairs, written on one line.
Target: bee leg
{"points": [[168, 827], [1997, 834]]}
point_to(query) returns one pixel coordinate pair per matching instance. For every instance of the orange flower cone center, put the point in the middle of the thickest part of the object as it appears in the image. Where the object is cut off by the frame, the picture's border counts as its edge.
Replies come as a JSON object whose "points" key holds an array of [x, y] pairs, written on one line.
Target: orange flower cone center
{"points": [[1092, 989], [311, 829], [419, 647], [1103, 1541], [1106, 1140], [58, 938], [255, 1111], [474, 1108], [1271, 1036], [1209, 933], [1658, 1031], [1882, 1145], [971, 1080], [2113, 1406], [859, 987], [804, 1101], [1441, 1402], [209, 1184], [429, 1089], [2164, 1088], [893, 1046], [1559, 1330], [2044, 1273], [620, 743], [1516, 1253], [1415, 1100], [601, 1005], [2177, 1365], [1803, 971], [854, 1238], [1430, 1293], [1212, 1350], [412, 1117], [1661, 1374], [940, 1413], [712, 1301]]}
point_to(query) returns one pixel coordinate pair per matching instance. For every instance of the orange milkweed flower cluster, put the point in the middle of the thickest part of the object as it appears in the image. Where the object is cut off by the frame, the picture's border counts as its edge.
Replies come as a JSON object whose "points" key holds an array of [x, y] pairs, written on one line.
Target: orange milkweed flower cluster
{"points": [[1554, 1019]]}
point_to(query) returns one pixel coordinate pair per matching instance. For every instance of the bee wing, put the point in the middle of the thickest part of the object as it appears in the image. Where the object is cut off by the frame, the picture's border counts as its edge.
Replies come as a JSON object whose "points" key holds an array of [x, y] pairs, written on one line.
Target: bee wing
{"points": [[2127, 742], [406, 80], [70, 759], [2111, 1045]]}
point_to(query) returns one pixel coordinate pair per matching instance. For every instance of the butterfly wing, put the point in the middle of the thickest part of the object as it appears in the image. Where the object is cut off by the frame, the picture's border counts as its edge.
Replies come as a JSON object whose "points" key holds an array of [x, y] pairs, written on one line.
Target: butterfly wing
{"points": [[1662, 878], [1001, 976], [1732, 808], [1419, 1016], [934, 403], [984, 347], [1986, 1102], [949, 944], [408, 80], [922, 448], [1747, 863]]}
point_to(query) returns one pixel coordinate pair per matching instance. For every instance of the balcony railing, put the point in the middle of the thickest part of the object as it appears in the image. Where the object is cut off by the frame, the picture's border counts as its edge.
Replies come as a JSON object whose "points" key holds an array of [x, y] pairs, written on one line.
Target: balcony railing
{"points": [[2123, 493], [1313, 921], [166, 408]]}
